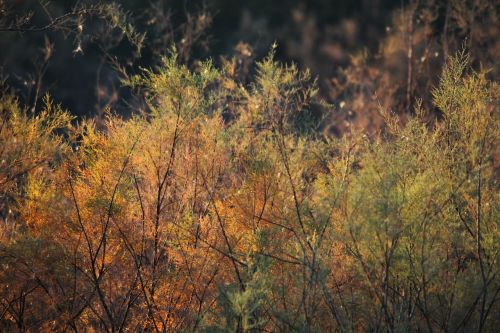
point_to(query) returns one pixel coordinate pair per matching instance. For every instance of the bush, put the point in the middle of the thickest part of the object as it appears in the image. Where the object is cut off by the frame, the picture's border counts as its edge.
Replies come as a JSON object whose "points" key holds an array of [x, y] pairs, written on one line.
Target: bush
{"points": [[218, 211]]}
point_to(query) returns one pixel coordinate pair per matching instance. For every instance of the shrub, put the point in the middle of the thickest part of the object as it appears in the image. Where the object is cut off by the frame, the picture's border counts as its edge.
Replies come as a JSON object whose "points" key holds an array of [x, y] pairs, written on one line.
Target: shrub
{"points": [[218, 211]]}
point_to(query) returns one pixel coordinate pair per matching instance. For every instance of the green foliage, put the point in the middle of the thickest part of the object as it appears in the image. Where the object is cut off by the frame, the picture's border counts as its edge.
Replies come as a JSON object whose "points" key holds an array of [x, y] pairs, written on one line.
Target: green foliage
{"points": [[176, 89], [186, 218]]}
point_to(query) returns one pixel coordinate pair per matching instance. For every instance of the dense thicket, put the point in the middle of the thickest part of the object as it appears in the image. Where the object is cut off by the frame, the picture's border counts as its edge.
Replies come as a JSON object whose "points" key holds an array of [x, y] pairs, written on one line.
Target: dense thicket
{"points": [[243, 195], [192, 218]]}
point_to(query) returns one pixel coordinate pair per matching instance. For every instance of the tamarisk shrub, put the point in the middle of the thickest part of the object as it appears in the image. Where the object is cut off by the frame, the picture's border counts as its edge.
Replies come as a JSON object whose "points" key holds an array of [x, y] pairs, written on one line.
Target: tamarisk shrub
{"points": [[220, 209]]}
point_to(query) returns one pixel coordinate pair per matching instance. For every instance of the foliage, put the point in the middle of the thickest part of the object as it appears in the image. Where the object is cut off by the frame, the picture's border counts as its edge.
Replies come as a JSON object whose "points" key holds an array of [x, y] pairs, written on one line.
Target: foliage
{"points": [[219, 210]]}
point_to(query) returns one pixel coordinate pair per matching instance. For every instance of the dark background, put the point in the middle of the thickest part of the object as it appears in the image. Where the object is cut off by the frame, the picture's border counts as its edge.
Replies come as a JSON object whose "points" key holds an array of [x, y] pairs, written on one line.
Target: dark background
{"points": [[316, 34]]}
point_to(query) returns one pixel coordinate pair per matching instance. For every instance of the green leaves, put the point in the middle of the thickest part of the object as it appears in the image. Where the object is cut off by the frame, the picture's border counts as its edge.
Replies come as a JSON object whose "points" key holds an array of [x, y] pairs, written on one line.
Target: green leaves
{"points": [[240, 221], [177, 90]]}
